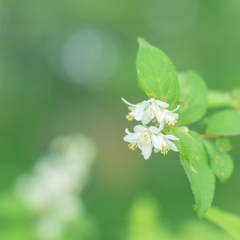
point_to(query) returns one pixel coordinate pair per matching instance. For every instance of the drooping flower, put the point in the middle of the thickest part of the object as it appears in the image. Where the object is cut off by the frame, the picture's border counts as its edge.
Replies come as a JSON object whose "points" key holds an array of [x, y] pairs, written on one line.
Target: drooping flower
{"points": [[169, 117], [162, 142], [142, 138], [146, 110], [146, 138]]}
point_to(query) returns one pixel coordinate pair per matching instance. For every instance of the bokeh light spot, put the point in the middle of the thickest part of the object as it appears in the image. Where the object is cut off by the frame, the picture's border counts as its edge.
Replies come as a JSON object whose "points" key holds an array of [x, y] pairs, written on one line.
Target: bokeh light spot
{"points": [[89, 57]]}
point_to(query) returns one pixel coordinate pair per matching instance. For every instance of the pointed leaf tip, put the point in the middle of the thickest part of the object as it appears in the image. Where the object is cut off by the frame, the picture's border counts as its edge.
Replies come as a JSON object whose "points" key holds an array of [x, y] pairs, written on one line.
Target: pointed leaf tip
{"points": [[156, 74], [142, 42]]}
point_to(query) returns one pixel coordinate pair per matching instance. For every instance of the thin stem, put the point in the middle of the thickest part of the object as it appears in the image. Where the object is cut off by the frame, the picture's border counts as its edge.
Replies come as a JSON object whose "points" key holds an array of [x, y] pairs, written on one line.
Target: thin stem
{"points": [[206, 136]]}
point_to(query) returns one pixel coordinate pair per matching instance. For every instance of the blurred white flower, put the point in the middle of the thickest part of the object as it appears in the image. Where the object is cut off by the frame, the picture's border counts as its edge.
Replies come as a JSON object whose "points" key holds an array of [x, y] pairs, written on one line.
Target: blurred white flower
{"points": [[48, 228], [52, 190]]}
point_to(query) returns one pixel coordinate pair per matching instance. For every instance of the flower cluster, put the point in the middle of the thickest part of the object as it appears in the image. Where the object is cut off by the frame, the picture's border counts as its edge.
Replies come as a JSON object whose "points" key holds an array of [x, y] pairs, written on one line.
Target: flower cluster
{"points": [[147, 138]]}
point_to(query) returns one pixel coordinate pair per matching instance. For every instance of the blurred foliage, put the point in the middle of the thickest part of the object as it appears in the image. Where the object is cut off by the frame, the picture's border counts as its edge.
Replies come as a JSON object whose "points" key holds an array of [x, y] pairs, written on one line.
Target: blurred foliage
{"points": [[218, 98], [39, 100], [17, 223], [227, 221], [145, 223]]}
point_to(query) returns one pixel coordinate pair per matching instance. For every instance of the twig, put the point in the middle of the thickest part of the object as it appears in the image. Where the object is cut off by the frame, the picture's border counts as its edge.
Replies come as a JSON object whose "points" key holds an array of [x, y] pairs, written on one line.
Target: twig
{"points": [[206, 136]]}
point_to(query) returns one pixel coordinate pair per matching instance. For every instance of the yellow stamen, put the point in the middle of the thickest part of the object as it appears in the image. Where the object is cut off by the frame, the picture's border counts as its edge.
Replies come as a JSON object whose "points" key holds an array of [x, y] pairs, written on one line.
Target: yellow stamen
{"points": [[132, 146], [129, 117], [165, 150], [171, 123]]}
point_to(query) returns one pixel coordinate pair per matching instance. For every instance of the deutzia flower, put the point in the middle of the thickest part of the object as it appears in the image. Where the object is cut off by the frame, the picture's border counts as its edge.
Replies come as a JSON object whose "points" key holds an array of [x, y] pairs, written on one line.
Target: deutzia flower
{"points": [[142, 138], [162, 142], [169, 117], [146, 110]]}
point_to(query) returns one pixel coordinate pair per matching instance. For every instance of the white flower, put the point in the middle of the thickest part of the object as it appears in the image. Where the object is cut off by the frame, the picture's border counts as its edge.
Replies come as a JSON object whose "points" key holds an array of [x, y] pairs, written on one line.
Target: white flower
{"points": [[162, 142], [142, 138], [147, 138], [146, 110], [169, 117]]}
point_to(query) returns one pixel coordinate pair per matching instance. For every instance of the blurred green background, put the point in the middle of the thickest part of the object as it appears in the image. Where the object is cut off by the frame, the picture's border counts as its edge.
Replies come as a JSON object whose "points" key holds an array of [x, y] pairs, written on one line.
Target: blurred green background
{"points": [[64, 66]]}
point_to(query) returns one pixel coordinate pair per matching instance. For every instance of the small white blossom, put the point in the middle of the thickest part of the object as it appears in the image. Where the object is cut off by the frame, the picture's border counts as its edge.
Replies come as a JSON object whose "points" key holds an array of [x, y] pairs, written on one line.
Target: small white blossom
{"points": [[146, 110], [142, 138], [147, 138], [169, 117], [162, 142]]}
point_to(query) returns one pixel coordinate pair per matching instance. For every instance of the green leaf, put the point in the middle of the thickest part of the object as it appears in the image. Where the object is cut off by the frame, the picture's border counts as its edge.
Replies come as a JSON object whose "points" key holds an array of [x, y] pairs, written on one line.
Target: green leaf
{"points": [[225, 123], [156, 74], [221, 163], [202, 181], [223, 145], [227, 221], [185, 144], [193, 95]]}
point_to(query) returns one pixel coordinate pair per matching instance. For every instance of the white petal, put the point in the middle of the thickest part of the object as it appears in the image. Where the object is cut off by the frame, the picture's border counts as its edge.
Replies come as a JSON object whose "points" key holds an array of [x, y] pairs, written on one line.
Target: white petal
{"points": [[160, 116], [139, 129], [147, 151], [162, 104], [133, 137], [156, 141], [156, 150], [164, 143], [132, 108], [154, 106], [174, 115], [171, 137], [138, 112], [150, 100], [145, 119], [162, 125], [154, 130], [128, 103], [139, 146], [176, 108], [171, 145], [127, 131], [146, 103]]}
